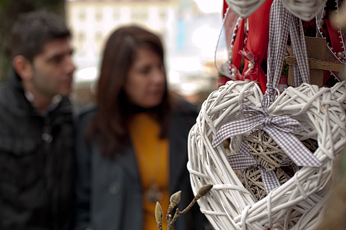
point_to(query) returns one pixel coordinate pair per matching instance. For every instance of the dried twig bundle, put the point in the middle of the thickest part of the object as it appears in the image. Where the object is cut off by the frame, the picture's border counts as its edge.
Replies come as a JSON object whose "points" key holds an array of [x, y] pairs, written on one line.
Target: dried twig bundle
{"points": [[269, 155]]}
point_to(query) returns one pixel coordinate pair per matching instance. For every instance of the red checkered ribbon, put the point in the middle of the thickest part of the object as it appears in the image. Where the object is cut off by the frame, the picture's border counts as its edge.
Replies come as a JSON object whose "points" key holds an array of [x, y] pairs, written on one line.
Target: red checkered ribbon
{"points": [[279, 128], [244, 160]]}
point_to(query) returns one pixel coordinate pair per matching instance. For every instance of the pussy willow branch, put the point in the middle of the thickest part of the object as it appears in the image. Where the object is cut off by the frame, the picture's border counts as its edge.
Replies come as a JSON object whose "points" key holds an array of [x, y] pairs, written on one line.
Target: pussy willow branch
{"points": [[174, 200], [178, 213], [169, 214], [201, 192], [158, 215]]}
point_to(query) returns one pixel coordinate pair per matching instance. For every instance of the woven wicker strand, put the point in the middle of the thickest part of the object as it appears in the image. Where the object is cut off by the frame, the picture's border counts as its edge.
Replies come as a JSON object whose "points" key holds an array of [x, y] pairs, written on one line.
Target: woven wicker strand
{"points": [[265, 151], [339, 93], [297, 203]]}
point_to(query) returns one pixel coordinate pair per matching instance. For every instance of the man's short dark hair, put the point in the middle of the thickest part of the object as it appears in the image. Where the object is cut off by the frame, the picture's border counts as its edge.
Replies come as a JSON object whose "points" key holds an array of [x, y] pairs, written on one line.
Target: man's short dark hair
{"points": [[33, 30]]}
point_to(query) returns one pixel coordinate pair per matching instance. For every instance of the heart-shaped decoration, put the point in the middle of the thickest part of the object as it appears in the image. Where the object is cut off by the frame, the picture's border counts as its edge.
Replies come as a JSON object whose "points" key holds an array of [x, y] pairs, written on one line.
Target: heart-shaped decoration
{"points": [[297, 203]]}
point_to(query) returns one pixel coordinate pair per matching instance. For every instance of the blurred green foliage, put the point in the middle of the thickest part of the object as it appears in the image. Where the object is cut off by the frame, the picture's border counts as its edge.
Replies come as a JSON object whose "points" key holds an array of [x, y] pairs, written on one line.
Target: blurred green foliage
{"points": [[285, 67], [9, 11]]}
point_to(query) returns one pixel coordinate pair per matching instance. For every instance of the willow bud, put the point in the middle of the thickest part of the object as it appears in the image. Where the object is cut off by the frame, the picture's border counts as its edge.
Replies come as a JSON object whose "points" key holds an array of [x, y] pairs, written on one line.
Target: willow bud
{"points": [[203, 190], [175, 199], [158, 213]]}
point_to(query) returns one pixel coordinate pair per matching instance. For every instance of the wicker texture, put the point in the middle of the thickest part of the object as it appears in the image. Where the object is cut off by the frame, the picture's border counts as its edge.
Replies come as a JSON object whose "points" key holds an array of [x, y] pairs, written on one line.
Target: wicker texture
{"points": [[265, 150], [339, 93], [303, 9], [297, 203], [270, 156]]}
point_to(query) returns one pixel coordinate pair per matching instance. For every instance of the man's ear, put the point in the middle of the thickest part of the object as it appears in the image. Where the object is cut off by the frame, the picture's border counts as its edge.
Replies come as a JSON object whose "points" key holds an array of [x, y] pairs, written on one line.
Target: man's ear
{"points": [[23, 67]]}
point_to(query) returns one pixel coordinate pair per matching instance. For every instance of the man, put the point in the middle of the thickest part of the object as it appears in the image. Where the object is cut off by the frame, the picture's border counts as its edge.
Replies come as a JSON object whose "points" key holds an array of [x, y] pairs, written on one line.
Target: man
{"points": [[36, 132]]}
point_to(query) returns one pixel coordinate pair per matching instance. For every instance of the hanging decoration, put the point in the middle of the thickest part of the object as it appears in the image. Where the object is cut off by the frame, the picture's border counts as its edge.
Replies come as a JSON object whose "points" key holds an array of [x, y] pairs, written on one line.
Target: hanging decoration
{"points": [[240, 108], [252, 45], [303, 9], [335, 38]]}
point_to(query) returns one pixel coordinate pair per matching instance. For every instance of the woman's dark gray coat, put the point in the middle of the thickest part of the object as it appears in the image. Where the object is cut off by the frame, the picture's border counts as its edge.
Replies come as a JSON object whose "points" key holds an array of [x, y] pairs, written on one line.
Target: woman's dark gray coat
{"points": [[108, 191]]}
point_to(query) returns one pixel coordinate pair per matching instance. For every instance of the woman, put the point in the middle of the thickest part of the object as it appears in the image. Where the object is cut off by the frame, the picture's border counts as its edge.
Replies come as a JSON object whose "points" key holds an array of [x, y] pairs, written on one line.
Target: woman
{"points": [[132, 147]]}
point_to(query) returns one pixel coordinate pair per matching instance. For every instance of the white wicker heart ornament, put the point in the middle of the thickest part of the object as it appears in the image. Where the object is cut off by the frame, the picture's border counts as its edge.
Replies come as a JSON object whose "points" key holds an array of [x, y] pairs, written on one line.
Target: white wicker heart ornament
{"points": [[297, 203]]}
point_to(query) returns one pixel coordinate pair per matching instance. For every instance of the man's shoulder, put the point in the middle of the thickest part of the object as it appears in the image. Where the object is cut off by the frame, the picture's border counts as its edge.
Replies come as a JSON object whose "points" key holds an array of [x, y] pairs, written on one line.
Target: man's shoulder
{"points": [[6, 93], [11, 104], [10, 91]]}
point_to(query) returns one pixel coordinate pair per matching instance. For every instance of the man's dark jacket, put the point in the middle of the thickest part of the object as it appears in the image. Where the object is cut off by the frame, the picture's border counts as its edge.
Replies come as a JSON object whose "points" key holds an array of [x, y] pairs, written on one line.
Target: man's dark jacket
{"points": [[36, 163]]}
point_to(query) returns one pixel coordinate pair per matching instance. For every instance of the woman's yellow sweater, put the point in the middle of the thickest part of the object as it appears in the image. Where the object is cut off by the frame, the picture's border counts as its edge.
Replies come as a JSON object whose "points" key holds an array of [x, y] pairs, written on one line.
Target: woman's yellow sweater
{"points": [[152, 154]]}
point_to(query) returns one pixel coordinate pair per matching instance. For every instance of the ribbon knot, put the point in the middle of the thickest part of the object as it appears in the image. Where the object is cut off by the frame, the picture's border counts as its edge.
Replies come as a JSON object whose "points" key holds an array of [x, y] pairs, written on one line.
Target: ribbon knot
{"points": [[268, 121], [279, 128]]}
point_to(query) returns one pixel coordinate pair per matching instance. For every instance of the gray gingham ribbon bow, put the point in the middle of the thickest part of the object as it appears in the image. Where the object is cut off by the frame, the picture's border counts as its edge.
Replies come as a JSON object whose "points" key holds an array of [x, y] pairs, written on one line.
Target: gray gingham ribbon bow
{"points": [[279, 128], [244, 160]]}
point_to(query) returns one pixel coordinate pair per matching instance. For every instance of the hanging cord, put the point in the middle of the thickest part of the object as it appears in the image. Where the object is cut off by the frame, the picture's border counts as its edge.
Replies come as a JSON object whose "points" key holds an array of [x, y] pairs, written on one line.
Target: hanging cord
{"points": [[281, 23]]}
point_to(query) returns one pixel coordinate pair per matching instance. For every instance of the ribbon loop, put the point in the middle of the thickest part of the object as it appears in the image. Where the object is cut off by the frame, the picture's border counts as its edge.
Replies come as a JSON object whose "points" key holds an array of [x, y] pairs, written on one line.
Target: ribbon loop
{"points": [[241, 162], [279, 128], [243, 159], [286, 124], [265, 103], [269, 179]]}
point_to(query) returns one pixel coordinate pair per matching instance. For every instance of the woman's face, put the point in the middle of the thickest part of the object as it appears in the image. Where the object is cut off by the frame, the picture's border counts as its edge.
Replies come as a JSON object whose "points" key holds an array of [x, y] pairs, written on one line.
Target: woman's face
{"points": [[146, 80]]}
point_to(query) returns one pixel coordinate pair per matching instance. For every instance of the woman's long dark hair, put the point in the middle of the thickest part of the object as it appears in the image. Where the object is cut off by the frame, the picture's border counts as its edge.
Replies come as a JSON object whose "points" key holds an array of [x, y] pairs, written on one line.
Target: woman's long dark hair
{"points": [[109, 126]]}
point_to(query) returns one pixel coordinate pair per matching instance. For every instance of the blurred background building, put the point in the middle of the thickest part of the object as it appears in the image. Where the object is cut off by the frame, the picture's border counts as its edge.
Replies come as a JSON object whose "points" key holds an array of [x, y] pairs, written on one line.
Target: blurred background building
{"points": [[189, 30]]}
